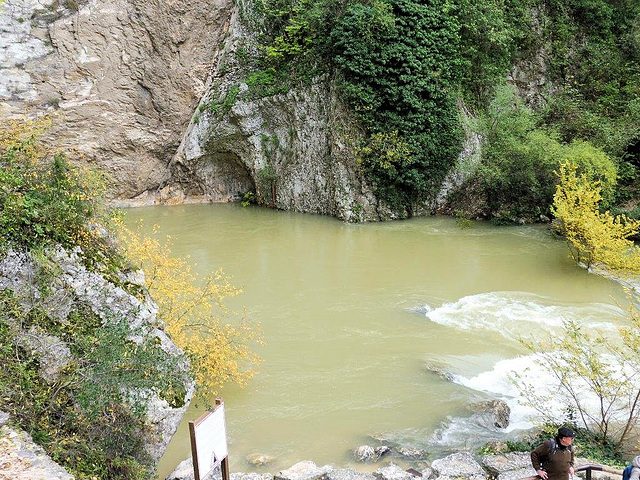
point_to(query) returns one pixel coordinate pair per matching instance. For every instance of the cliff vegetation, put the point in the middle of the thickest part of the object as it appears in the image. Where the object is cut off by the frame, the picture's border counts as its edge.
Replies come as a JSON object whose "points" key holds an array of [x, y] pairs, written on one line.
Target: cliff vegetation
{"points": [[86, 366], [546, 81]]}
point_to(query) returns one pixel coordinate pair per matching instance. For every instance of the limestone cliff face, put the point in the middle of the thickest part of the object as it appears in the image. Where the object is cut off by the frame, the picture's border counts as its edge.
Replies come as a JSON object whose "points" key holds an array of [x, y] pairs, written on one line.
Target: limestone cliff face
{"points": [[292, 149], [123, 76], [133, 82]]}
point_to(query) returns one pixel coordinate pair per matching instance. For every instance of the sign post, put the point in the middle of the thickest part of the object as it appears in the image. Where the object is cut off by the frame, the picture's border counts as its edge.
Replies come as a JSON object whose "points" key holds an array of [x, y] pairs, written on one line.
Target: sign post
{"points": [[209, 443]]}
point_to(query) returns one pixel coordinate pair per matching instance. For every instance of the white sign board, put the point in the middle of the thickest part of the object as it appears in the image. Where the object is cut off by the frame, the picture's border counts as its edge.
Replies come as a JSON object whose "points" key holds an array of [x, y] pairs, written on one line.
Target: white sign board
{"points": [[208, 441]]}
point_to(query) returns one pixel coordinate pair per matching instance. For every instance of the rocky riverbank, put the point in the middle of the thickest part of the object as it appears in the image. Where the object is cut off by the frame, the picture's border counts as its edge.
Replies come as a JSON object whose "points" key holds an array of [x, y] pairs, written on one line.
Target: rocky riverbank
{"points": [[458, 466]]}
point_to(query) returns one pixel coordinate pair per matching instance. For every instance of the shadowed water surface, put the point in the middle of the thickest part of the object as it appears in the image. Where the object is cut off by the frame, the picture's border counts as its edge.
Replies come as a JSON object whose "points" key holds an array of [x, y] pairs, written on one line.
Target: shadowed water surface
{"points": [[351, 315]]}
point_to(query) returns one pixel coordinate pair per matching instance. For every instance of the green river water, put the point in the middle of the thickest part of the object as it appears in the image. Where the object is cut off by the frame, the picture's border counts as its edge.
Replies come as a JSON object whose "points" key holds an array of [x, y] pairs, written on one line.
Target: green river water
{"points": [[352, 314]]}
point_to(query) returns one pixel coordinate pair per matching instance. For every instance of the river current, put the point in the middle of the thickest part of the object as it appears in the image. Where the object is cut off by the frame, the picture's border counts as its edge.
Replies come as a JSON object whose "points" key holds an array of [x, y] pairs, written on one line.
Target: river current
{"points": [[352, 314]]}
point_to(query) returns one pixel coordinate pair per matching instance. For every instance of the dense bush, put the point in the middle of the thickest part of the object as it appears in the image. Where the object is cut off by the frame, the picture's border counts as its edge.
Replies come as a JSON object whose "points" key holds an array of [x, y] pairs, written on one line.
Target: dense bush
{"points": [[518, 171], [587, 445], [292, 39], [400, 64], [494, 34], [45, 201], [594, 237]]}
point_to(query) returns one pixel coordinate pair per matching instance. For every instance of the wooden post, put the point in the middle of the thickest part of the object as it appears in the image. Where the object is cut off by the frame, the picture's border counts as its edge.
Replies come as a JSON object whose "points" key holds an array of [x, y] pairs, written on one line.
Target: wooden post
{"points": [[194, 451], [224, 465]]}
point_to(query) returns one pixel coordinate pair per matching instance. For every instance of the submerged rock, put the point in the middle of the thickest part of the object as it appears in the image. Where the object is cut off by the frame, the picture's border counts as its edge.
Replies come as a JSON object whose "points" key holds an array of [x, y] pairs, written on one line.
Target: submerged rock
{"points": [[367, 453], [440, 371], [411, 452], [259, 459]]}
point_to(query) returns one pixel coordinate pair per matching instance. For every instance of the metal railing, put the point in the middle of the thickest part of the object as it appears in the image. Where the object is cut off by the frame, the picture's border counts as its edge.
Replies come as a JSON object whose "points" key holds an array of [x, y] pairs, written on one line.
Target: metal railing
{"points": [[591, 467], [595, 467]]}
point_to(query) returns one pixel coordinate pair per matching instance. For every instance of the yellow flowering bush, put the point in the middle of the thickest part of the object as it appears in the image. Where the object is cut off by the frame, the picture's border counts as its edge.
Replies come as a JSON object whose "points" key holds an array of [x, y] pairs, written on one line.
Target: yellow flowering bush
{"points": [[194, 313]]}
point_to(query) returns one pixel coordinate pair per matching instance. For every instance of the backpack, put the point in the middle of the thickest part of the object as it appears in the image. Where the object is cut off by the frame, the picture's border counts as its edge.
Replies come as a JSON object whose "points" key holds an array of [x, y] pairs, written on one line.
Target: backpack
{"points": [[626, 473], [554, 449]]}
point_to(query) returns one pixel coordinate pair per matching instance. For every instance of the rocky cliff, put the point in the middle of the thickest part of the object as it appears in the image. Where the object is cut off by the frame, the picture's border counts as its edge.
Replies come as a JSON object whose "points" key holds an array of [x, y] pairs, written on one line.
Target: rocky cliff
{"points": [[80, 329], [123, 77], [291, 148], [132, 84]]}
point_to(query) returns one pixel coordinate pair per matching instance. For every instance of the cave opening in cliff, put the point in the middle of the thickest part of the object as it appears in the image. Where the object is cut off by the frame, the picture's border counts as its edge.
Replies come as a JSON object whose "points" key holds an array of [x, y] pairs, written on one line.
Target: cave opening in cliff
{"points": [[226, 177]]}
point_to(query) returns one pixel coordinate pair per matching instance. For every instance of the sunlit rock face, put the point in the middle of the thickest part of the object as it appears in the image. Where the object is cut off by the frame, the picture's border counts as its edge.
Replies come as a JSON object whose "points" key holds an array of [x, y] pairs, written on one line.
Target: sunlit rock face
{"points": [[130, 85], [122, 77]]}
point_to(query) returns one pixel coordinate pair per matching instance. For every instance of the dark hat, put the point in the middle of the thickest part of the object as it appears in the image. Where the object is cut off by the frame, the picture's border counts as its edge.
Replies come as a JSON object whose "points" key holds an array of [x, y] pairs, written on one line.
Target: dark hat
{"points": [[566, 432]]}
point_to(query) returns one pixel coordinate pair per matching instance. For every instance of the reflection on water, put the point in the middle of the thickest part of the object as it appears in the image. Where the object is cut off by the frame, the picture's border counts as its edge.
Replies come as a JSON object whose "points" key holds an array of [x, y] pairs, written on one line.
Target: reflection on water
{"points": [[352, 314]]}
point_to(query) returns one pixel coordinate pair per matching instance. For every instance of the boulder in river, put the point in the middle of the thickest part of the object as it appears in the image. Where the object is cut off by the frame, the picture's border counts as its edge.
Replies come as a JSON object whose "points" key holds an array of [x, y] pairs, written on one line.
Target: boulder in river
{"points": [[411, 453], [367, 453], [497, 412]]}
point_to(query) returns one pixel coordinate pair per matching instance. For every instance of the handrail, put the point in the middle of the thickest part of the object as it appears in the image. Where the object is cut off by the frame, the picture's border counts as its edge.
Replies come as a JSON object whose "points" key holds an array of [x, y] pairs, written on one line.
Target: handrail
{"points": [[590, 467], [598, 468]]}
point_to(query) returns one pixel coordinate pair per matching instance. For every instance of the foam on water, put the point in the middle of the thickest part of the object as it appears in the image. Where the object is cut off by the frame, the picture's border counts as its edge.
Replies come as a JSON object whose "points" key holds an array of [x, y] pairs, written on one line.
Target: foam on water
{"points": [[514, 314], [497, 382]]}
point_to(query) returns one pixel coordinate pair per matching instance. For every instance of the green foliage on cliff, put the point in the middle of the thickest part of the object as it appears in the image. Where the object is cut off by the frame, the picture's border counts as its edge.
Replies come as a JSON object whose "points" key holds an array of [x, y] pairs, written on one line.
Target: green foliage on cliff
{"points": [[89, 415], [400, 65], [517, 175], [45, 201], [398, 61], [595, 62], [84, 418]]}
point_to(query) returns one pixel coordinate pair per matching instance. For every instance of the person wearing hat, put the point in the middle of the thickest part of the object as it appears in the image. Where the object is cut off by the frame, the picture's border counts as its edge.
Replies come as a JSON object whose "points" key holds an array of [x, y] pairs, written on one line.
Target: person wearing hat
{"points": [[553, 459]]}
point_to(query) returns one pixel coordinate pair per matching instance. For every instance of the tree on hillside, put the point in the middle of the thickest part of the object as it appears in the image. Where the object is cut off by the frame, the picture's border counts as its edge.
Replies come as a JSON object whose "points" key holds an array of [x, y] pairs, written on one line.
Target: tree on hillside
{"points": [[194, 312]]}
